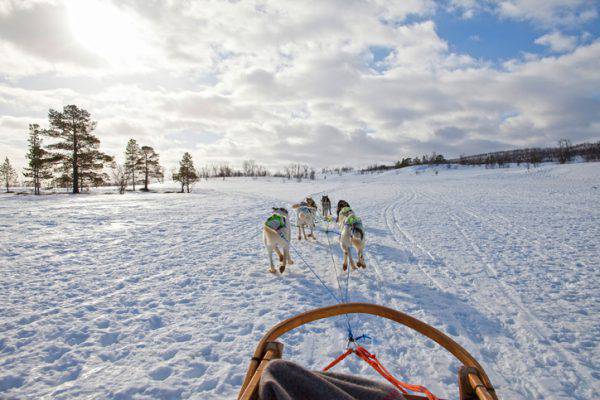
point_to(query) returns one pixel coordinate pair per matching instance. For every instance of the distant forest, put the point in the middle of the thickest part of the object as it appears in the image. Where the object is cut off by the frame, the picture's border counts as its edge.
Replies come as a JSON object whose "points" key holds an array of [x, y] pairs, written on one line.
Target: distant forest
{"points": [[563, 153]]}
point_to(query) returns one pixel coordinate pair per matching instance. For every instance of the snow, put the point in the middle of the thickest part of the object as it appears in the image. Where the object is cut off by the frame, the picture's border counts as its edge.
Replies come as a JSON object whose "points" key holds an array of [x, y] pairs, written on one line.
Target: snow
{"points": [[166, 295]]}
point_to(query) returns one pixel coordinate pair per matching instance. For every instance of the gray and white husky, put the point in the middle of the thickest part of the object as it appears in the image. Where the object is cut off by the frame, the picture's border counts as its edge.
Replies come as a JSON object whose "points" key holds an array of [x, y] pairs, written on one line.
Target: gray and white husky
{"points": [[326, 206], [352, 234]]}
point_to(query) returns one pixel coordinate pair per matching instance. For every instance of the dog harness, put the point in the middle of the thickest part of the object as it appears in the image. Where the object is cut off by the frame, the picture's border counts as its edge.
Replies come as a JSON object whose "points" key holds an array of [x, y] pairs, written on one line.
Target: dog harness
{"points": [[345, 210], [353, 220], [355, 224], [276, 222]]}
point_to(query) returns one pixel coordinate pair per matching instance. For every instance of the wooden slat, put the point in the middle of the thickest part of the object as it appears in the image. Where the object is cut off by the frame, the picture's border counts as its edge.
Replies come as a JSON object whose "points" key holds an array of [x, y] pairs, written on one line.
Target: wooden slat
{"points": [[480, 389]]}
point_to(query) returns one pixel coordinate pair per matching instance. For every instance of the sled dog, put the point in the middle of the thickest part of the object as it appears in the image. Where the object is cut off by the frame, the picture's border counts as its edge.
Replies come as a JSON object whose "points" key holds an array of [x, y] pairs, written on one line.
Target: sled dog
{"points": [[311, 203], [341, 204], [277, 235], [305, 218], [326, 206], [352, 234]]}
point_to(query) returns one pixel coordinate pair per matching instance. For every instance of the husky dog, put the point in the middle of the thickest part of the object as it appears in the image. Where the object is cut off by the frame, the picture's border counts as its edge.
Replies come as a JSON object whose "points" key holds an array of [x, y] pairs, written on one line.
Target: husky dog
{"points": [[277, 235], [326, 206], [305, 218], [341, 204], [311, 203], [352, 234]]}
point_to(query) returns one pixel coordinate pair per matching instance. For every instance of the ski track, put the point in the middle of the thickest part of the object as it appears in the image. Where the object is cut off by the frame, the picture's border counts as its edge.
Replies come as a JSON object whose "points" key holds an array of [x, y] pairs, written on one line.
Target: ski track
{"points": [[166, 295]]}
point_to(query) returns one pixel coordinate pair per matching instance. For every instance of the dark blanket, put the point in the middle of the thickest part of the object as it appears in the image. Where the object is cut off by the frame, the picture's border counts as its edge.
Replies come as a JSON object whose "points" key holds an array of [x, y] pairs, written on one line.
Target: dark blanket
{"points": [[284, 380]]}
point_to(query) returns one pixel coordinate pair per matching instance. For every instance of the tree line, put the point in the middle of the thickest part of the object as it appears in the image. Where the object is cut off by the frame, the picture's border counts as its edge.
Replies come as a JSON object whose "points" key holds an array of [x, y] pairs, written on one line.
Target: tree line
{"points": [[73, 158], [426, 159], [563, 153]]}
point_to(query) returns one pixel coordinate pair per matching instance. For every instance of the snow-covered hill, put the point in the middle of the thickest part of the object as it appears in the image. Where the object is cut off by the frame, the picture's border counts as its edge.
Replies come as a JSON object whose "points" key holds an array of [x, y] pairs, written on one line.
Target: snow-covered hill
{"points": [[166, 295]]}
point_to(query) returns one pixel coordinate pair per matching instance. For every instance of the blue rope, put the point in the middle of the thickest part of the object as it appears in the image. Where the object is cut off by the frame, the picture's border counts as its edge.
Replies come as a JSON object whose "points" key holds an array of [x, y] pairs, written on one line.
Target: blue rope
{"points": [[351, 337], [350, 334], [314, 273]]}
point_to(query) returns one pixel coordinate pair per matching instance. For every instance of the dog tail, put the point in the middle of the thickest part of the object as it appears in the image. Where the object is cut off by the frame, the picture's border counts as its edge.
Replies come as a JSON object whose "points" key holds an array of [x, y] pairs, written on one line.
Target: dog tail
{"points": [[358, 233]]}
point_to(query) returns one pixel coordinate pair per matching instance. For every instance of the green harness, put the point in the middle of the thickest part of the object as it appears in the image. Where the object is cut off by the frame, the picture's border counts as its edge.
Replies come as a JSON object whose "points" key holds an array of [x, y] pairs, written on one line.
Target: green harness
{"points": [[275, 222], [353, 220]]}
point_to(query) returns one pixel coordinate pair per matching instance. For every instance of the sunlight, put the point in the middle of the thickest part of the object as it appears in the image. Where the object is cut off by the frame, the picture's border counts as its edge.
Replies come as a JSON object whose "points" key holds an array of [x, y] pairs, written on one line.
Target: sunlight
{"points": [[104, 30]]}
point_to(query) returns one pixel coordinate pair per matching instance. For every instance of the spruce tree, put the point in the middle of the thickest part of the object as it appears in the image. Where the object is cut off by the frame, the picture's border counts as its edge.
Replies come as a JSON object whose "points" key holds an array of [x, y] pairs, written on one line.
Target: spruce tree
{"points": [[8, 175], [150, 165], [39, 163], [77, 146], [187, 174], [133, 161]]}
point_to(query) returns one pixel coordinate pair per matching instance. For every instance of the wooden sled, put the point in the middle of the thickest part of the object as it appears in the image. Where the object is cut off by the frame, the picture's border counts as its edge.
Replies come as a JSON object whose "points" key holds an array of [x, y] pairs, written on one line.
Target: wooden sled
{"points": [[473, 382]]}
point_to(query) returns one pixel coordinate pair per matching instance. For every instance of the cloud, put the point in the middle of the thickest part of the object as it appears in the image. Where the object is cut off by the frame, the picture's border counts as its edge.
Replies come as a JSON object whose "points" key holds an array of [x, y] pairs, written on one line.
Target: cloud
{"points": [[546, 13], [279, 81], [557, 42]]}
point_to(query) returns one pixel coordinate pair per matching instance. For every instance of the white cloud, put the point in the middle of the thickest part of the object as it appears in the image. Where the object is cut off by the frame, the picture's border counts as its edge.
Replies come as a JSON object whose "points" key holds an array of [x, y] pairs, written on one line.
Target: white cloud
{"points": [[557, 42], [546, 13], [285, 81]]}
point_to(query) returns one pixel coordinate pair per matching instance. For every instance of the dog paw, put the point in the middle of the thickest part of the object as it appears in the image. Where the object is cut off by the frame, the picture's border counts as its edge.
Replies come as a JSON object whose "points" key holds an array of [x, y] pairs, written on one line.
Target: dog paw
{"points": [[282, 268], [290, 262], [272, 270], [345, 266]]}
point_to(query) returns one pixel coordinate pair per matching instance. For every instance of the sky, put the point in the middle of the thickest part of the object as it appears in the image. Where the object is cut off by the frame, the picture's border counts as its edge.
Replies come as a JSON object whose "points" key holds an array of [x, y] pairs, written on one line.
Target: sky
{"points": [[327, 83]]}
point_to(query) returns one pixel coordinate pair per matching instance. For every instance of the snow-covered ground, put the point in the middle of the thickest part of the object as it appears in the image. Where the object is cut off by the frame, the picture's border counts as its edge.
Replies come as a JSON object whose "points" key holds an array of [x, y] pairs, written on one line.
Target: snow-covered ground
{"points": [[166, 295]]}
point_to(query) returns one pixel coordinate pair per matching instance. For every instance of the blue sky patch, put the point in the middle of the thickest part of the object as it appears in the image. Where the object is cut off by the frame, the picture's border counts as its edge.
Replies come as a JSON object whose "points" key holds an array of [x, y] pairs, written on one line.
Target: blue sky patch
{"points": [[486, 36]]}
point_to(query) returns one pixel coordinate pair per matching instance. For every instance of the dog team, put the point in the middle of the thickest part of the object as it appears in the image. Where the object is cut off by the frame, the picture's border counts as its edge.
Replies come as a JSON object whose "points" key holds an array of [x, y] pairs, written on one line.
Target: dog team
{"points": [[277, 232]]}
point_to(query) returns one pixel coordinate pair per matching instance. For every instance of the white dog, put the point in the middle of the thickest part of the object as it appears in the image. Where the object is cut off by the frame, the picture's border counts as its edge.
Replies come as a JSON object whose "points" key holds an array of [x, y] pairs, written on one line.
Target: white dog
{"points": [[277, 235], [352, 234], [305, 218]]}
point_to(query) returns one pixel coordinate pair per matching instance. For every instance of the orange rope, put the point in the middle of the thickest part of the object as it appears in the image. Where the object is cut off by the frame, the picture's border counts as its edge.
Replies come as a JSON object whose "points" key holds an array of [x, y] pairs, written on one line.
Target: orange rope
{"points": [[337, 360], [372, 360]]}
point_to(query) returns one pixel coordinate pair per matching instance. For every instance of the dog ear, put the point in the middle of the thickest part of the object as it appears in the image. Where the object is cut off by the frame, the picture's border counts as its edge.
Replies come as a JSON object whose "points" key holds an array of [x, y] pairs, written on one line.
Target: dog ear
{"points": [[275, 208]]}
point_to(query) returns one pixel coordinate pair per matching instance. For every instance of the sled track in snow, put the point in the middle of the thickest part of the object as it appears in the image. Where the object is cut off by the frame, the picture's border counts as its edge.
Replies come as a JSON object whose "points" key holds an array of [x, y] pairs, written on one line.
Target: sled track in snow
{"points": [[538, 329], [403, 238]]}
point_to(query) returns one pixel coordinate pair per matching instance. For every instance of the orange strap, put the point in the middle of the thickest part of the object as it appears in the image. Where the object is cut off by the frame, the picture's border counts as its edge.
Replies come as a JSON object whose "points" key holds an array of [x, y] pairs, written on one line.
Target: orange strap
{"points": [[372, 360], [337, 360]]}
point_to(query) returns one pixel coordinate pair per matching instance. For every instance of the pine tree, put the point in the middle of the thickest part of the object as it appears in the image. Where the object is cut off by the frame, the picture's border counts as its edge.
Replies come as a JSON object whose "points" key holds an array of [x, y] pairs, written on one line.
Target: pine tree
{"points": [[8, 175], [62, 174], [39, 161], [133, 161], [77, 146], [150, 165], [187, 173]]}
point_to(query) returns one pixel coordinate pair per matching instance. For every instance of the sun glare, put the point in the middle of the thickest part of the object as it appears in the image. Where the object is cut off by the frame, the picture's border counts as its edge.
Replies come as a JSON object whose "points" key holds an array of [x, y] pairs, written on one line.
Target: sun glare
{"points": [[104, 30]]}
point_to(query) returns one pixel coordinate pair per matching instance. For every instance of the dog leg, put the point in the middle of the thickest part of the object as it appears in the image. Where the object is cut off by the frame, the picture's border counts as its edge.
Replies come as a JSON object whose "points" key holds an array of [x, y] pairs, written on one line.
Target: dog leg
{"points": [[279, 253], [282, 259], [299, 233], [270, 252], [352, 264], [361, 259], [282, 266], [345, 262], [286, 253]]}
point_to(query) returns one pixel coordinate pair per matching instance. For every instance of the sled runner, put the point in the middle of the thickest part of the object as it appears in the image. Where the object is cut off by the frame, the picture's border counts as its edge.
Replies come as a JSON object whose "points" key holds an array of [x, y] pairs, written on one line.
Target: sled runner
{"points": [[266, 369]]}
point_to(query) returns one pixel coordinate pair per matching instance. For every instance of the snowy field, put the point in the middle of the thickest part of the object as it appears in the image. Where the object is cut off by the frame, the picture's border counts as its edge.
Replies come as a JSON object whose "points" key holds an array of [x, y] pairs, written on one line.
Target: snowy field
{"points": [[166, 295]]}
